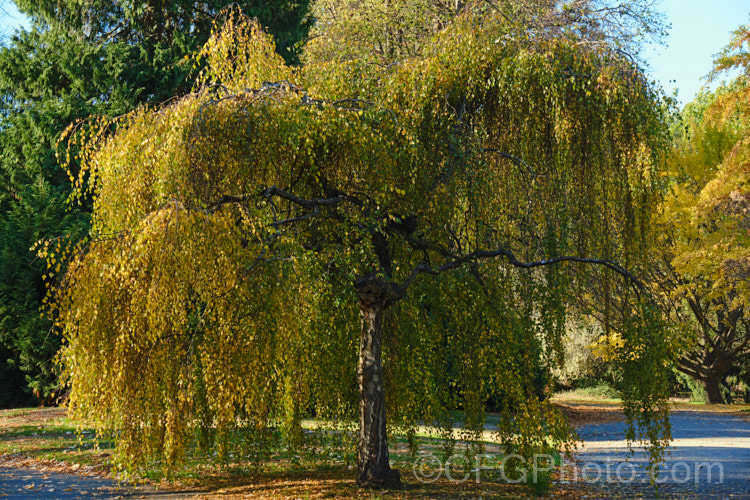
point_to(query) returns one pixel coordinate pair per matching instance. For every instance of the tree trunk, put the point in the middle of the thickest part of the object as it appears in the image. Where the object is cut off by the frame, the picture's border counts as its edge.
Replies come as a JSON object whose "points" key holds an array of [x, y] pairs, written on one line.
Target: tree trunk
{"points": [[373, 465], [713, 390]]}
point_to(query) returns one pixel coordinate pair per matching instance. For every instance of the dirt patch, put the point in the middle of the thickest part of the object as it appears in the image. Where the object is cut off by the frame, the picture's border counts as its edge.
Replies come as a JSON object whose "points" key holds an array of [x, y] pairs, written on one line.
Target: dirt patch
{"points": [[739, 410], [44, 465], [13, 419], [579, 415], [591, 412]]}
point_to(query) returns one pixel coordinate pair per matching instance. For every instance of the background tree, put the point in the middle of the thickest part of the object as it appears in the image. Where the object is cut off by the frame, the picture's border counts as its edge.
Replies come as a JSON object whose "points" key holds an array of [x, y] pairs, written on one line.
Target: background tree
{"points": [[384, 32], [704, 264], [238, 234], [81, 59]]}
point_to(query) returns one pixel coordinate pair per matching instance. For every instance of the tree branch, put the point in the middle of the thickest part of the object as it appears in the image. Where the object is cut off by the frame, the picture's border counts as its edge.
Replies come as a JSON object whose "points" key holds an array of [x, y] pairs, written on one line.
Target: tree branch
{"points": [[306, 203], [518, 161], [426, 268], [224, 200], [274, 191]]}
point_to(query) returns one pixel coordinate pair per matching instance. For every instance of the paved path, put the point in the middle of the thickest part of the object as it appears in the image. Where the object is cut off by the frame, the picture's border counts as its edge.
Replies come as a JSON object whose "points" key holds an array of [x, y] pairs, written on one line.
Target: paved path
{"points": [[18, 483], [709, 459]]}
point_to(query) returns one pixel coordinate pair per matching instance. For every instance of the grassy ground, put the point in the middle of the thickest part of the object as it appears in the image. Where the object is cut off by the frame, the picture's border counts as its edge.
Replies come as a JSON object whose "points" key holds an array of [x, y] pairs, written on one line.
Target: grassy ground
{"points": [[47, 440], [596, 394], [46, 435]]}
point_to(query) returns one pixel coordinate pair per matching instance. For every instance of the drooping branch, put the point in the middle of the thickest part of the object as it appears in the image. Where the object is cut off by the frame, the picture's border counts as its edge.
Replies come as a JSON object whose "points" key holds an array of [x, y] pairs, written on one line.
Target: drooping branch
{"points": [[226, 199], [292, 220], [274, 191], [518, 161], [426, 268]]}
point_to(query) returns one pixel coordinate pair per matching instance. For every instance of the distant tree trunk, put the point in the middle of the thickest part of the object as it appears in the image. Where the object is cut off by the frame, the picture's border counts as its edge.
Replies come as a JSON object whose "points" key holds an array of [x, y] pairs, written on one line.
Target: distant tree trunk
{"points": [[711, 373], [373, 465], [713, 389]]}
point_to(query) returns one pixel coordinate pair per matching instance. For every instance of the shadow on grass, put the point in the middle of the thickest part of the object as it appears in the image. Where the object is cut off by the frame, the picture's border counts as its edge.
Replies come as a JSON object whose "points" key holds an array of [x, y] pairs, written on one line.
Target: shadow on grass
{"points": [[340, 484], [47, 439]]}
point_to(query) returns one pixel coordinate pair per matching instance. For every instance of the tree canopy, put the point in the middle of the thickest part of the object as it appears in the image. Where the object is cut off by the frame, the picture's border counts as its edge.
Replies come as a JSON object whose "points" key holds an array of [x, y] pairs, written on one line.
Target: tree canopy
{"points": [[704, 260], [459, 201], [385, 32]]}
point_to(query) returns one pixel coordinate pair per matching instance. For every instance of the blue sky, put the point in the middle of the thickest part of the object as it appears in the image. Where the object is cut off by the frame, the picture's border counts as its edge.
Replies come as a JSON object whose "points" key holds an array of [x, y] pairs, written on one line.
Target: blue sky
{"points": [[9, 17], [700, 28]]}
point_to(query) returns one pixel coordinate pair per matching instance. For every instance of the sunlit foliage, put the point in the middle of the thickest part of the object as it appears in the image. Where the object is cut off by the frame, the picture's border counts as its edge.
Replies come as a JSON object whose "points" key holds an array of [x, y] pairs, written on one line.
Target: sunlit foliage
{"points": [[384, 32], [76, 59], [704, 266]]}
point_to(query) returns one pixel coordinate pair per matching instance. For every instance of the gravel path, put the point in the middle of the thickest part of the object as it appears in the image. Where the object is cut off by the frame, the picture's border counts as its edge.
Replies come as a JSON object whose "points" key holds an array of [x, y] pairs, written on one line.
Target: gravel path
{"points": [[709, 459]]}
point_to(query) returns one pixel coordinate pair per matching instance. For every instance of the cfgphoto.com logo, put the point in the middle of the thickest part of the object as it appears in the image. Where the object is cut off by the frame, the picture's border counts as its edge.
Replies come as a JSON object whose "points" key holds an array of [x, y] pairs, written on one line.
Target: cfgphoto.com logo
{"points": [[460, 468]]}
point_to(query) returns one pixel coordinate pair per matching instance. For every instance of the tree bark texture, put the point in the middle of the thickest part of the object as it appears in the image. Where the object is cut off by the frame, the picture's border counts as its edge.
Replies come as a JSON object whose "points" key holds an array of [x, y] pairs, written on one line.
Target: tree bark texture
{"points": [[373, 465]]}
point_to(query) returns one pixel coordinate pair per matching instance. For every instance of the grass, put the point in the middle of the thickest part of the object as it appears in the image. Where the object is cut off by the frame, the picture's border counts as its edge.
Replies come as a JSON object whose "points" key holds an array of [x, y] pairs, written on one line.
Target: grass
{"points": [[48, 435], [601, 393], [47, 439]]}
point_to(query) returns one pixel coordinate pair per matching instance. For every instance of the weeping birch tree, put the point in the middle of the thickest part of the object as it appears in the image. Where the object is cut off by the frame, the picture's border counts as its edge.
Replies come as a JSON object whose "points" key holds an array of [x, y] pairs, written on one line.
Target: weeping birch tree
{"points": [[330, 238]]}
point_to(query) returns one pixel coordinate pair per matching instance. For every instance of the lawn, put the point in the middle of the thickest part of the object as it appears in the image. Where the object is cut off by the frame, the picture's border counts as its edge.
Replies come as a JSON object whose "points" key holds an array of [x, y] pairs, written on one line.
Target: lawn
{"points": [[47, 439]]}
